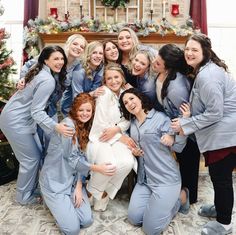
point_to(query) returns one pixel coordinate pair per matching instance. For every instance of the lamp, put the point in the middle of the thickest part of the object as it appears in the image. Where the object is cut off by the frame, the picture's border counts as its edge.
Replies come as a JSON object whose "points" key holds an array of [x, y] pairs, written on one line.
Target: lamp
{"points": [[53, 12], [174, 9]]}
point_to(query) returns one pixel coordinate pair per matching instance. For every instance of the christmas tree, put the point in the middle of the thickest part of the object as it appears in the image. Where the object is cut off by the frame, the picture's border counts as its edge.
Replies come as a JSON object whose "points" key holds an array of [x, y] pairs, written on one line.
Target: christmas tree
{"points": [[6, 63]]}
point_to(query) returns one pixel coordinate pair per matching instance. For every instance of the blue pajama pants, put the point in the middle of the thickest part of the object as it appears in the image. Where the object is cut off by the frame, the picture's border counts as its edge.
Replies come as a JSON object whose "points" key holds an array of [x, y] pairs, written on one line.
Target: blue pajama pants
{"points": [[69, 218], [29, 154], [153, 208]]}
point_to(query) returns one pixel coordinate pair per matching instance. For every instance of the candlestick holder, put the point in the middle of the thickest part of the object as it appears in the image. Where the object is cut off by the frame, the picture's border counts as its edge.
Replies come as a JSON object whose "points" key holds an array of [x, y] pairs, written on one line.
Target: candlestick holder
{"points": [[175, 10], [151, 12], [81, 12], [53, 13], [67, 16]]}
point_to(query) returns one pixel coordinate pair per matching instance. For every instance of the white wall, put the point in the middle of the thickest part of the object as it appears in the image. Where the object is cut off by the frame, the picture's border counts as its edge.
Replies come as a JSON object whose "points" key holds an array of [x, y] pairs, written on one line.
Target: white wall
{"points": [[221, 17]]}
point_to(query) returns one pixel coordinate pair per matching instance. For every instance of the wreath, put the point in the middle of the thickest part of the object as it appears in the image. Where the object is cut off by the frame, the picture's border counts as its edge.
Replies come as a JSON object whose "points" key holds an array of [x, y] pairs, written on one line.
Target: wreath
{"points": [[114, 3]]}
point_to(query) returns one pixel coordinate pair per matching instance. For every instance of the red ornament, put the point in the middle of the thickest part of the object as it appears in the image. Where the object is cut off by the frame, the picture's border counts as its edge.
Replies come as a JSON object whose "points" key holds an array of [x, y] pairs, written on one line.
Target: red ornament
{"points": [[53, 12], [175, 9]]}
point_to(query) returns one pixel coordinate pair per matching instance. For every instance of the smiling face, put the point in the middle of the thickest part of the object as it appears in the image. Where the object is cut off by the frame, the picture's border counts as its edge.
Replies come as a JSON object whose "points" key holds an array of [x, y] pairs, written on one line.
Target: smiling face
{"points": [[96, 57], [84, 113], [158, 65], [55, 61], [125, 42], [132, 103], [76, 48], [114, 80], [193, 53], [111, 52], [140, 65]]}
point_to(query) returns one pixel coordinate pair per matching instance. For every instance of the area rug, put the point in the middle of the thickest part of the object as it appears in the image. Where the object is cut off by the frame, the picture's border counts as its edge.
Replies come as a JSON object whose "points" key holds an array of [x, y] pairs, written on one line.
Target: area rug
{"points": [[37, 220]]}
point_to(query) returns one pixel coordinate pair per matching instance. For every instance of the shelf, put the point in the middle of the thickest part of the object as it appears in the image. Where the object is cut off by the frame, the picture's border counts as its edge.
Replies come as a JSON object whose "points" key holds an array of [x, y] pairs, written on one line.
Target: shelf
{"points": [[152, 38]]}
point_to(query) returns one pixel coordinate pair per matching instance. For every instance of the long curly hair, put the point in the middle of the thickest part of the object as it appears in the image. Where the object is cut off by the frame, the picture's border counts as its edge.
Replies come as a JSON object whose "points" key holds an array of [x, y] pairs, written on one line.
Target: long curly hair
{"points": [[87, 57], [81, 129], [208, 53], [44, 55], [146, 105]]}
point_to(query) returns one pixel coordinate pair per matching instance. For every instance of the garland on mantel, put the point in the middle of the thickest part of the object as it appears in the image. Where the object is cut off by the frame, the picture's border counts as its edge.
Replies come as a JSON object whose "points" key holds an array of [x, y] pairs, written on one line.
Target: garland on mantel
{"points": [[114, 3], [53, 26]]}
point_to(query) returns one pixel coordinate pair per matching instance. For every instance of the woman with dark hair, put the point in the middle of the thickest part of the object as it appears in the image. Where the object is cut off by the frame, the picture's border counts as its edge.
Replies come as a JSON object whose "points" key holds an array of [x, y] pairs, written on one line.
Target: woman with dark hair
{"points": [[25, 109], [65, 166], [157, 195], [213, 109], [173, 90], [111, 51]]}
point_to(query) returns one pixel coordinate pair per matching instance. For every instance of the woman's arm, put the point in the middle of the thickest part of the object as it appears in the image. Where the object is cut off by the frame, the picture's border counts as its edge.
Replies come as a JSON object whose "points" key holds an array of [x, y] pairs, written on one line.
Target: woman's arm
{"points": [[78, 194], [77, 82]]}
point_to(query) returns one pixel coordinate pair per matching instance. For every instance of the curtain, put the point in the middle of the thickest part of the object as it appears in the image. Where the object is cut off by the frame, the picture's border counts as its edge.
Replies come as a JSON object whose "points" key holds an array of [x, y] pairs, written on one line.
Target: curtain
{"points": [[198, 13], [30, 10]]}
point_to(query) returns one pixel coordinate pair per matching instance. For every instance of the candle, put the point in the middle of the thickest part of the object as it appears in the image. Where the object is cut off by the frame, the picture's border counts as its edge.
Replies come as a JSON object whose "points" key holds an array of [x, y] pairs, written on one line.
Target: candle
{"points": [[80, 2], [164, 9], [66, 7], [151, 5]]}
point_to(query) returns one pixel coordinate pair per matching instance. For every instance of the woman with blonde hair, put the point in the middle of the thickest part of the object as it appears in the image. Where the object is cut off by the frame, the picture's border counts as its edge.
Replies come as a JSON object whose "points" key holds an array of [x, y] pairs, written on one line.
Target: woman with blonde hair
{"points": [[129, 44], [108, 143], [87, 76], [74, 49]]}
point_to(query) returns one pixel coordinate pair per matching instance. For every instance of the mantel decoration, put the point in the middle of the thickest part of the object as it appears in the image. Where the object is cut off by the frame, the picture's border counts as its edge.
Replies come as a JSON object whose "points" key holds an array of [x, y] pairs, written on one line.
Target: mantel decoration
{"points": [[114, 3], [54, 26]]}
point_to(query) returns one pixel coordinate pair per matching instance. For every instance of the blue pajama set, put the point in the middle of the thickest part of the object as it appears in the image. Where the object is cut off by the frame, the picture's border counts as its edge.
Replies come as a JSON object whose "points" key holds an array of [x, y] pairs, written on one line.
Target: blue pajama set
{"points": [[18, 122], [51, 107], [81, 83], [155, 198], [67, 96], [64, 164]]}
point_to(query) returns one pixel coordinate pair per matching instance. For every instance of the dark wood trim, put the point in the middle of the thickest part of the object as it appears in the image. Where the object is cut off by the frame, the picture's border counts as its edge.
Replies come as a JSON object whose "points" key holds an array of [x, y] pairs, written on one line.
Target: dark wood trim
{"points": [[92, 8], [140, 9], [152, 38]]}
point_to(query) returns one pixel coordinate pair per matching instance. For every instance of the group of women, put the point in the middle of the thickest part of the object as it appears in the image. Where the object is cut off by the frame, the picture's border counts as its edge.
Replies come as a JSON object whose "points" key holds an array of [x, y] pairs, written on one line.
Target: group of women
{"points": [[125, 106]]}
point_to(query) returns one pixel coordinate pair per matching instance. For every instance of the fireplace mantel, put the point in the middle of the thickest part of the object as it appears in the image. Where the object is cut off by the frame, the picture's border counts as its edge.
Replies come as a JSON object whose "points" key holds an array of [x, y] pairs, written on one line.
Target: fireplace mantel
{"points": [[152, 38]]}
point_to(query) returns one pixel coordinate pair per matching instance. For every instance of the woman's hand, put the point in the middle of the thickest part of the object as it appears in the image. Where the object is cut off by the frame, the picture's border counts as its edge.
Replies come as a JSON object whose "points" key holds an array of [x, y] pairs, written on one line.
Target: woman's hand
{"points": [[138, 152], [175, 125], [20, 84], [185, 110], [64, 130], [127, 86], [78, 195], [109, 133], [106, 169], [128, 141], [167, 140], [98, 92]]}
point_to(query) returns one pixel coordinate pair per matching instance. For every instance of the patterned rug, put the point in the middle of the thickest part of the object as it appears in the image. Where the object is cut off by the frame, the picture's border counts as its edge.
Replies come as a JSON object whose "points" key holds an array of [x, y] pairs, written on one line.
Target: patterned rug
{"points": [[37, 220]]}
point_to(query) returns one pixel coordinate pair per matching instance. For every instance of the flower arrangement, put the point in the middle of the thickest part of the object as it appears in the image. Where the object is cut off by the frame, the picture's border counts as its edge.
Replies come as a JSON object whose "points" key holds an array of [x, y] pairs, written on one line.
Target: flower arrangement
{"points": [[114, 3], [54, 26]]}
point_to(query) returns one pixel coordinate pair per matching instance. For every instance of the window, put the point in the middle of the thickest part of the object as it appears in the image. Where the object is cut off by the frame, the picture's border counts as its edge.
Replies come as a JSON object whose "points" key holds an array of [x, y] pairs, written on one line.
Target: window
{"points": [[221, 19], [12, 21], [132, 12]]}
